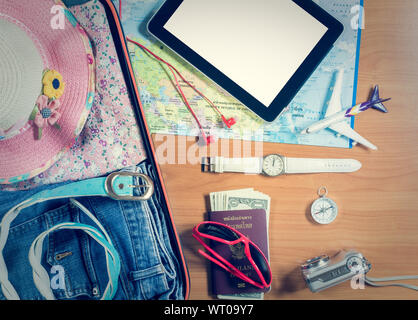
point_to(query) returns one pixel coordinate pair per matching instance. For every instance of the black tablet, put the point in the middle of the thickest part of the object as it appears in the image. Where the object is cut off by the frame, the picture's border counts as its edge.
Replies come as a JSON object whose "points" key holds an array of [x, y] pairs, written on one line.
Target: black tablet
{"points": [[260, 51]]}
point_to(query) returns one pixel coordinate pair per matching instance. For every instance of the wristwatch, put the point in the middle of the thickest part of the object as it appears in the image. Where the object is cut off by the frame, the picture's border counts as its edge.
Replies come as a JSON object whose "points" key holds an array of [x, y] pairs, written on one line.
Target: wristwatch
{"points": [[274, 165]]}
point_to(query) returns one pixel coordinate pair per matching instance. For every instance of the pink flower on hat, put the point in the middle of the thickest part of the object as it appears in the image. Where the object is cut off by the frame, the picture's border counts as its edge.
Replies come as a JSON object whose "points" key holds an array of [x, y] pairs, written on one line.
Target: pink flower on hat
{"points": [[45, 113]]}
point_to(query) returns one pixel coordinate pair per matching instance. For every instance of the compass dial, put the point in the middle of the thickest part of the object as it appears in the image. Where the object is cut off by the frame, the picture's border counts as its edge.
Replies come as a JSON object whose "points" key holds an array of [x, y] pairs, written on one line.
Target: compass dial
{"points": [[324, 210], [273, 165]]}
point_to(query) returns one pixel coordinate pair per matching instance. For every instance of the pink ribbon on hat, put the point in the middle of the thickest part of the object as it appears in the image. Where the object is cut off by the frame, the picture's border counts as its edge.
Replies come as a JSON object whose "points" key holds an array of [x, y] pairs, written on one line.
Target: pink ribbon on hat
{"points": [[46, 113]]}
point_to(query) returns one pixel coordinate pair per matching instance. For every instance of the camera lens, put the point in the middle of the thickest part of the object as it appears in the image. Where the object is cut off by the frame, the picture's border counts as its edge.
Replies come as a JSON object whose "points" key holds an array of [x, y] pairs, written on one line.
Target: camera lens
{"points": [[355, 264], [315, 262]]}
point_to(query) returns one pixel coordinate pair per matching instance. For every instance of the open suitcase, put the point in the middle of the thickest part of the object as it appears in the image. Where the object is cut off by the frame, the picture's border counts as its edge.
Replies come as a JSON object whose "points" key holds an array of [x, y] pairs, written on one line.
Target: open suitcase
{"points": [[166, 229], [121, 46]]}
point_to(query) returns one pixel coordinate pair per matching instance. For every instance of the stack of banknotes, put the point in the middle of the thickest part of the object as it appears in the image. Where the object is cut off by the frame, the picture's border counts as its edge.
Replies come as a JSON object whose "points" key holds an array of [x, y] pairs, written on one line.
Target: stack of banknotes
{"points": [[242, 199]]}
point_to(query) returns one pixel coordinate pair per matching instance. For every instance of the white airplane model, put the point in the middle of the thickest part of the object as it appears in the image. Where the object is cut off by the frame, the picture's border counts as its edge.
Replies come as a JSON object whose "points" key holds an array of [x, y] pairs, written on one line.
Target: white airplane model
{"points": [[335, 114]]}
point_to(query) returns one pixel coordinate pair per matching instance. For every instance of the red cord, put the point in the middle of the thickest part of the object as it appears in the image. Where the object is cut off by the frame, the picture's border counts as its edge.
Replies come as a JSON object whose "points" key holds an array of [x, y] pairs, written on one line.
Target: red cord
{"points": [[206, 139], [228, 122], [173, 72]]}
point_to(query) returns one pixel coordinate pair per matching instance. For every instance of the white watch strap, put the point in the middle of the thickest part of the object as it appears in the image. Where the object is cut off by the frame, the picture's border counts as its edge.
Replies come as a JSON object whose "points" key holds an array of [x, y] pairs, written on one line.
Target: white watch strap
{"points": [[243, 165], [308, 165]]}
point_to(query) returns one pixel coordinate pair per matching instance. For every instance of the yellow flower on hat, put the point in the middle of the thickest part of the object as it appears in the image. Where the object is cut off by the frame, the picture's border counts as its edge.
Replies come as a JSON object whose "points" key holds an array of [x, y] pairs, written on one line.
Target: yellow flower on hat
{"points": [[53, 84]]}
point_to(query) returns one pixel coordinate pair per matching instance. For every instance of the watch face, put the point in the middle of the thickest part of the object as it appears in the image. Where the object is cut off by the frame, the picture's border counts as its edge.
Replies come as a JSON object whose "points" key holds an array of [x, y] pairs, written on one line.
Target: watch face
{"points": [[273, 165], [324, 210]]}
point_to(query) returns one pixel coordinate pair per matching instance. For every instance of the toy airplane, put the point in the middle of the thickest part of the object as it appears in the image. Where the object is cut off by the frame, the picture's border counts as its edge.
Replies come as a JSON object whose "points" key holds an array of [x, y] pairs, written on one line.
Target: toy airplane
{"points": [[335, 114]]}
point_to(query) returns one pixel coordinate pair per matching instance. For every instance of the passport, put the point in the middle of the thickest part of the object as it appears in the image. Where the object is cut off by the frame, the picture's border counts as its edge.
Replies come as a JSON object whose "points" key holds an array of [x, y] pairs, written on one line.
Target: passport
{"points": [[251, 223]]}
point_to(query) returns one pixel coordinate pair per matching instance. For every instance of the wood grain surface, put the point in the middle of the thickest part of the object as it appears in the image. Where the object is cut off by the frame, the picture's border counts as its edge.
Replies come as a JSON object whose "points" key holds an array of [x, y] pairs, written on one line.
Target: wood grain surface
{"points": [[378, 204]]}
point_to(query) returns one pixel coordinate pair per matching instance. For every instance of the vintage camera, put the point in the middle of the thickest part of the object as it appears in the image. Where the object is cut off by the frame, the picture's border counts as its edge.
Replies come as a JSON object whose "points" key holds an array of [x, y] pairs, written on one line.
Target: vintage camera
{"points": [[322, 272]]}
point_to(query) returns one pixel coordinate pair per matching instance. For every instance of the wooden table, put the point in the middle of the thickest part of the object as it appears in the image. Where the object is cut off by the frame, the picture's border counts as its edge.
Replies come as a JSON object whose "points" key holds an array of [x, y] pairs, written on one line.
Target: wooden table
{"points": [[378, 204]]}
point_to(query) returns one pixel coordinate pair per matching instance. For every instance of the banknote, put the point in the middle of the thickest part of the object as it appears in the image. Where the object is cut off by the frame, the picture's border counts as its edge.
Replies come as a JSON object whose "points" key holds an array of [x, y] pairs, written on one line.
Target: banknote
{"points": [[241, 199], [253, 200], [219, 200]]}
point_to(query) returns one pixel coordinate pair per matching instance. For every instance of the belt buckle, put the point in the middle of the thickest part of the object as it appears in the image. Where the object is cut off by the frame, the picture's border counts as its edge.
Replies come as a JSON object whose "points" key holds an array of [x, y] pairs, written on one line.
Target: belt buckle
{"points": [[149, 185]]}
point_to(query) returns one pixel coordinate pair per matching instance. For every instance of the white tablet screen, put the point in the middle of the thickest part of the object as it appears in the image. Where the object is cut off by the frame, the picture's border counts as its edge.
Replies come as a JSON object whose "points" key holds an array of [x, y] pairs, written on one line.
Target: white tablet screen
{"points": [[258, 44]]}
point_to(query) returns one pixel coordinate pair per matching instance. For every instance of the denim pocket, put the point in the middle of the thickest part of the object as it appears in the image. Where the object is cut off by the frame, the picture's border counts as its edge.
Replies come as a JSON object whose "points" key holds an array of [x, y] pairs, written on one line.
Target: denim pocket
{"points": [[66, 255], [69, 256]]}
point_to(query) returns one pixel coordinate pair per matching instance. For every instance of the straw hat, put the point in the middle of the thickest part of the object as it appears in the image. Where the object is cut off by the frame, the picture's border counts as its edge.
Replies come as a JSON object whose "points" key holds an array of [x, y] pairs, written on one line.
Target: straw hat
{"points": [[46, 85]]}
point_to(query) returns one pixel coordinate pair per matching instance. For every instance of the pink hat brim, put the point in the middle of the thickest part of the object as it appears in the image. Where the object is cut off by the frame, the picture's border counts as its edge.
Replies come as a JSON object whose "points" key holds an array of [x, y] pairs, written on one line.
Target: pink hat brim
{"points": [[66, 51]]}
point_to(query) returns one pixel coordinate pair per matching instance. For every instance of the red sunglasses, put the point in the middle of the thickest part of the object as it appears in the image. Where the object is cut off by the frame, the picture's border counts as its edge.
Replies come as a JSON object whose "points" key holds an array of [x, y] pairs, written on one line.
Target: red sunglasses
{"points": [[222, 233]]}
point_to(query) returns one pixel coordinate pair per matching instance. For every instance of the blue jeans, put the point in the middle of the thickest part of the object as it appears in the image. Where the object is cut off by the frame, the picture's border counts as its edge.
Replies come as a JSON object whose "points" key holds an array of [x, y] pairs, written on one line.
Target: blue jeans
{"points": [[138, 230]]}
